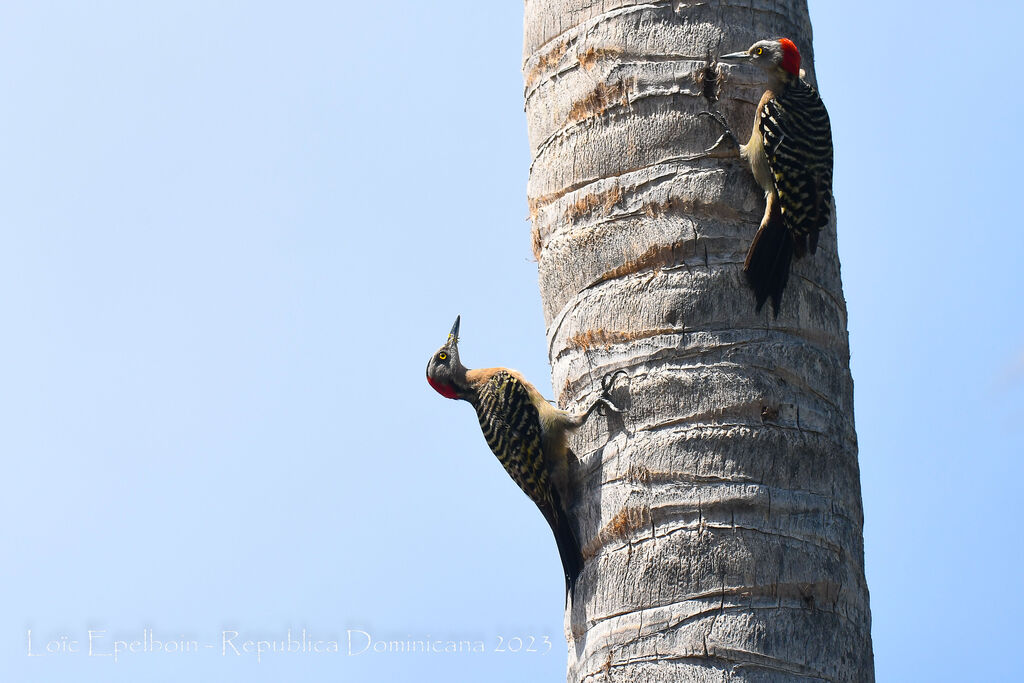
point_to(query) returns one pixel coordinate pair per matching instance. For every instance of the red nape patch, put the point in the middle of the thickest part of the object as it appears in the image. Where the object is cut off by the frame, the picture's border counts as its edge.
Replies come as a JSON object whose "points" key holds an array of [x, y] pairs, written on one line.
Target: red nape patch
{"points": [[790, 56], [446, 390]]}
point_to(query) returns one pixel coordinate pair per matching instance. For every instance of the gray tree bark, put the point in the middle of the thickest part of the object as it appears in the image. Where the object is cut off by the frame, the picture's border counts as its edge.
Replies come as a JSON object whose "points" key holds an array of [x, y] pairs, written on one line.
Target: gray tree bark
{"points": [[721, 517]]}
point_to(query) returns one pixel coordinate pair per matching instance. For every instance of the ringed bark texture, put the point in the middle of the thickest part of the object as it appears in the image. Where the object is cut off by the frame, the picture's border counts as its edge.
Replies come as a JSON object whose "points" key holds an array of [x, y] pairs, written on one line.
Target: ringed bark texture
{"points": [[721, 517]]}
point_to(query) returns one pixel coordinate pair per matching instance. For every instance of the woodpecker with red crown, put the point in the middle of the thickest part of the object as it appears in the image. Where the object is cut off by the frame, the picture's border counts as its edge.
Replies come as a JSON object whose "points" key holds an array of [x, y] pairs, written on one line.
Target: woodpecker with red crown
{"points": [[527, 434], [790, 154]]}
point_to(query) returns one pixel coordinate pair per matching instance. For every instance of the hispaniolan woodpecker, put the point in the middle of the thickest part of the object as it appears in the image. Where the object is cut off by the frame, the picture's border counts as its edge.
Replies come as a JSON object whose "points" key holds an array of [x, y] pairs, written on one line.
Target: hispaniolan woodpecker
{"points": [[527, 434], [790, 153]]}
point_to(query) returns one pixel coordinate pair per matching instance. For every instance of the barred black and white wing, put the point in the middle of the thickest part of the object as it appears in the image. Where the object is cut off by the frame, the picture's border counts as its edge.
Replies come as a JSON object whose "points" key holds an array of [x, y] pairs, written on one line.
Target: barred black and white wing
{"points": [[797, 138], [512, 427]]}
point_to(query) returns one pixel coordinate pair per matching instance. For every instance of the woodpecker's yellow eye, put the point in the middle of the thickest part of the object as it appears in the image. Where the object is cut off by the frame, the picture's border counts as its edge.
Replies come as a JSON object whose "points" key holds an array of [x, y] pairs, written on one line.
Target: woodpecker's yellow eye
{"points": [[759, 51], [442, 356]]}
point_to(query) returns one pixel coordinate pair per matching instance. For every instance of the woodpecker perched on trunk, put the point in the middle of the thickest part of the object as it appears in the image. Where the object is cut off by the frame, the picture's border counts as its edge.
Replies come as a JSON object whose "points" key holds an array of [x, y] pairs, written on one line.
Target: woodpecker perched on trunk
{"points": [[790, 153], [528, 434]]}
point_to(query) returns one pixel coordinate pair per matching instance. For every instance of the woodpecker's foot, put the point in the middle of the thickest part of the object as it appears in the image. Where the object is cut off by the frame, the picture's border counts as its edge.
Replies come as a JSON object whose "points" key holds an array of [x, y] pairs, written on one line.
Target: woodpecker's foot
{"points": [[722, 146], [608, 381], [605, 399], [602, 404], [719, 118]]}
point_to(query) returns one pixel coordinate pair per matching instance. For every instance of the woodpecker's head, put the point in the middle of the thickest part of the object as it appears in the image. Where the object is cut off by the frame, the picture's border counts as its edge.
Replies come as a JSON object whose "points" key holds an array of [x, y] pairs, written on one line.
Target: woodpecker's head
{"points": [[779, 58], [444, 371]]}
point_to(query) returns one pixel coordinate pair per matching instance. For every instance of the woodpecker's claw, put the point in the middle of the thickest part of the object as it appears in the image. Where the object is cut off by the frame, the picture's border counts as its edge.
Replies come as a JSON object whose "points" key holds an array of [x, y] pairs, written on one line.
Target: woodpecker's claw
{"points": [[605, 400], [608, 381], [719, 118], [713, 151]]}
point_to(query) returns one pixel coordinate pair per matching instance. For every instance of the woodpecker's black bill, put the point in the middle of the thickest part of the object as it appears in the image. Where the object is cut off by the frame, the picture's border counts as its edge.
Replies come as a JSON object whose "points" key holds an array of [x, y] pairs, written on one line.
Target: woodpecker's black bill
{"points": [[735, 57], [453, 336]]}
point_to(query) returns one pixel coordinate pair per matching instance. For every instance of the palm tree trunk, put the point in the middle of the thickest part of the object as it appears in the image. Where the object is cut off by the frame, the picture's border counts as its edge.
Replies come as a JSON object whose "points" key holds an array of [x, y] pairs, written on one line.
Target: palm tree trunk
{"points": [[721, 517]]}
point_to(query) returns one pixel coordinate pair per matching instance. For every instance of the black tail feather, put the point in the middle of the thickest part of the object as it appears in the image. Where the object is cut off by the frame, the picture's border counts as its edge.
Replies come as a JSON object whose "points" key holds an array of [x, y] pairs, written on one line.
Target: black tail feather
{"points": [[568, 546], [768, 259]]}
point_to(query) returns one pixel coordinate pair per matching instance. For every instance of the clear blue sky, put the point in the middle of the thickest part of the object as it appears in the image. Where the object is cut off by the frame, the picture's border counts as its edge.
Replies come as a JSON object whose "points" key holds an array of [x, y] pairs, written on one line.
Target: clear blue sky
{"points": [[232, 234]]}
